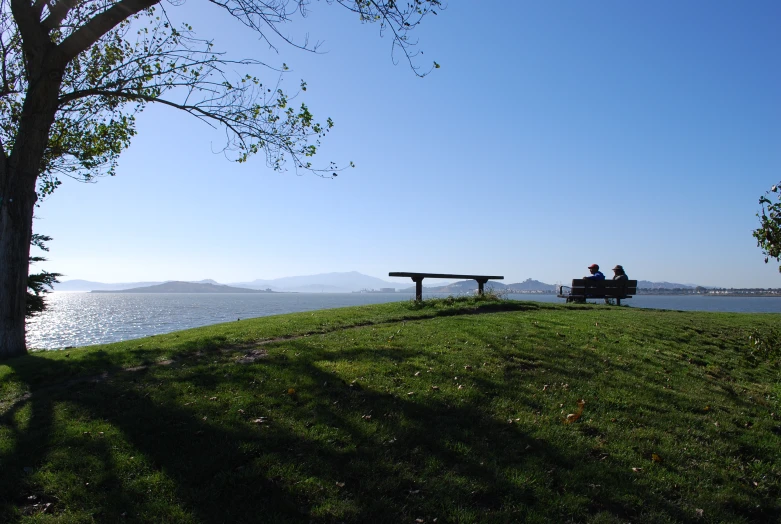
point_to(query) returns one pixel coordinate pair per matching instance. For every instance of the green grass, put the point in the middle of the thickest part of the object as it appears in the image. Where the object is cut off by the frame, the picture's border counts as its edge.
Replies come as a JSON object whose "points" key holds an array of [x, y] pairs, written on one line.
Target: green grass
{"points": [[453, 410]]}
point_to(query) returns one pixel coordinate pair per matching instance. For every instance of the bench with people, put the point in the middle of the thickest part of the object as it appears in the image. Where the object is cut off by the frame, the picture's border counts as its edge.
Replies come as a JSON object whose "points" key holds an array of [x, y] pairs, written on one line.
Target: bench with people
{"points": [[595, 285]]}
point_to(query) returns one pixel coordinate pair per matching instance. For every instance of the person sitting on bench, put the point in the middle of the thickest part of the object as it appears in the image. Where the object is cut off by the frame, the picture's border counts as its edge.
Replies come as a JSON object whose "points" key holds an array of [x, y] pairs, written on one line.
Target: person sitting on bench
{"points": [[596, 274], [620, 274]]}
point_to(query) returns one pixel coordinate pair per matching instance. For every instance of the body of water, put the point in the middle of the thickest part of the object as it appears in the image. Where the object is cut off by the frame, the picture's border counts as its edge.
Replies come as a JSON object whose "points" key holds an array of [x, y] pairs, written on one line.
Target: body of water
{"points": [[82, 319]]}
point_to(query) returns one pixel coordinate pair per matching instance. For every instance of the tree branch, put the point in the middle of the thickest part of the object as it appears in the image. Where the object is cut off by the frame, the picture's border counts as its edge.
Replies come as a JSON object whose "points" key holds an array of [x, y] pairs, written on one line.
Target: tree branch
{"points": [[27, 20], [57, 12], [84, 37]]}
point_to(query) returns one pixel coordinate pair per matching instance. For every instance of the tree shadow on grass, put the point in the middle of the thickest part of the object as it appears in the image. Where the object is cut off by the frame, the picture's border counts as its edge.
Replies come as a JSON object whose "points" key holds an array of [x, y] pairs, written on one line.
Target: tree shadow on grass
{"points": [[331, 450]]}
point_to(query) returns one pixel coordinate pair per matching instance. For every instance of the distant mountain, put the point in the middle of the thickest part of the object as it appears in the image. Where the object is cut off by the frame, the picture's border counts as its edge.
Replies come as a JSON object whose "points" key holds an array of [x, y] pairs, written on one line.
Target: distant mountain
{"points": [[465, 286], [645, 284], [531, 285], [468, 286], [347, 282], [86, 285], [184, 287], [324, 282]]}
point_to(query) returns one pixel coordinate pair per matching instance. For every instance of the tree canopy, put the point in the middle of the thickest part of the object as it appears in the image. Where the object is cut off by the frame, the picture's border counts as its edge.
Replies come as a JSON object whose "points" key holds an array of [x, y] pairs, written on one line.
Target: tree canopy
{"points": [[768, 234], [75, 74]]}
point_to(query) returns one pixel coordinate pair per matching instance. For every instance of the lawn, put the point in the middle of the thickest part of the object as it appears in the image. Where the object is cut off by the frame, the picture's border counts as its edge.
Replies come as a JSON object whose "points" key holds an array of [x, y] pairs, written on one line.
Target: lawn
{"points": [[454, 410]]}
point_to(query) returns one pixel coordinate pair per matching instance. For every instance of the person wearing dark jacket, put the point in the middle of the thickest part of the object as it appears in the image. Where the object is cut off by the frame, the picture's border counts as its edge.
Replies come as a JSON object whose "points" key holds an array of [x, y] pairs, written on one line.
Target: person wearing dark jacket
{"points": [[596, 274]]}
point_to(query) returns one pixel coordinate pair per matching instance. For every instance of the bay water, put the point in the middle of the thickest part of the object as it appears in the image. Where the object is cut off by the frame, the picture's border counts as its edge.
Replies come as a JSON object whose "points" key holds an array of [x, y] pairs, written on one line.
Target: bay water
{"points": [[82, 319]]}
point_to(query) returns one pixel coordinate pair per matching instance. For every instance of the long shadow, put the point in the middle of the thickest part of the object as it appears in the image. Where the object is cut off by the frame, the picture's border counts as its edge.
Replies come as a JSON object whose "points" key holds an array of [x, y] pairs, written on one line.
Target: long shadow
{"points": [[240, 472]]}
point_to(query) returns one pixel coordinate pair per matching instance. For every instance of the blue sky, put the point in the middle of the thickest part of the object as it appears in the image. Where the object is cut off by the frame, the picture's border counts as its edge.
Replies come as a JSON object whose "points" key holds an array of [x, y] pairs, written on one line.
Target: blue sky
{"points": [[555, 135]]}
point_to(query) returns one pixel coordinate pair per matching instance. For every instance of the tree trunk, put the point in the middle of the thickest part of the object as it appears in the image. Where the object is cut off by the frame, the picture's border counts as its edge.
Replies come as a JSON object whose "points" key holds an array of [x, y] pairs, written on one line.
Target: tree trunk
{"points": [[16, 216], [18, 178]]}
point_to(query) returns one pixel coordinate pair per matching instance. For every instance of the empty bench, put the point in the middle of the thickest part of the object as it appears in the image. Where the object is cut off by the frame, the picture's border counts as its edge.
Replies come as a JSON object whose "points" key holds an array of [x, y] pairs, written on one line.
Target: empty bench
{"points": [[583, 288], [418, 279]]}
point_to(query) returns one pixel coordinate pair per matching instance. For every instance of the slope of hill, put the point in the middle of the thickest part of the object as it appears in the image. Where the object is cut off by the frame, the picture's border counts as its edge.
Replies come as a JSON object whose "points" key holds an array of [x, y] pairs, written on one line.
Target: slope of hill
{"points": [[349, 282], [87, 285], [184, 287], [645, 284], [325, 282], [451, 411]]}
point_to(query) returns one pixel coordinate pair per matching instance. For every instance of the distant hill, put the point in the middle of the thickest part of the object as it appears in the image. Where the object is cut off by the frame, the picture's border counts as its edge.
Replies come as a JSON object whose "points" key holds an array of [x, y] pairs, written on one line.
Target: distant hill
{"points": [[346, 282], [87, 285], [531, 285], [184, 287], [325, 283], [645, 284], [468, 286], [465, 286]]}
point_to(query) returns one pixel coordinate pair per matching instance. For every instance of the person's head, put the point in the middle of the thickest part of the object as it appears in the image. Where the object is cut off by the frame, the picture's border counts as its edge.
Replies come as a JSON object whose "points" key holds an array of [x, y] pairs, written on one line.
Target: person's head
{"points": [[619, 269], [593, 268]]}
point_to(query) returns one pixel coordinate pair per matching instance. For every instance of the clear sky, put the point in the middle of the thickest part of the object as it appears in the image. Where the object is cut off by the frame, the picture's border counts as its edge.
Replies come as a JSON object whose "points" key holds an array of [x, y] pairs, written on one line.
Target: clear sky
{"points": [[555, 135]]}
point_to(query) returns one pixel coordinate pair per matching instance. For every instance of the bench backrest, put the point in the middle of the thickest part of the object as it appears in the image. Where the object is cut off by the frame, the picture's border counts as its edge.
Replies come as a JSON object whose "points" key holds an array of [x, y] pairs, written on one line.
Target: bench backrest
{"points": [[584, 286]]}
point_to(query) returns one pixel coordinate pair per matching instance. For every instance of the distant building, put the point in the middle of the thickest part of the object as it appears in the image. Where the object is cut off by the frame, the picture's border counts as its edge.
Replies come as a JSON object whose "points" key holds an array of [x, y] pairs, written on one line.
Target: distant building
{"points": [[387, 290]]}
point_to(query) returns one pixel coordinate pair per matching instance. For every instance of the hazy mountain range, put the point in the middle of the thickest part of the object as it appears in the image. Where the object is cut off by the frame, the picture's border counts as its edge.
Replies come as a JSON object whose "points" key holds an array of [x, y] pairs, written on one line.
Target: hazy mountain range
{"points": [[184, 287], [322, 283]]}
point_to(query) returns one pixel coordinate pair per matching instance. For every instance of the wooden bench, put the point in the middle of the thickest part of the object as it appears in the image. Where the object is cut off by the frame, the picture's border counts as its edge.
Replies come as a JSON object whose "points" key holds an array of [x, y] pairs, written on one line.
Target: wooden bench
{"points": [[583, 288], [418, 279]]}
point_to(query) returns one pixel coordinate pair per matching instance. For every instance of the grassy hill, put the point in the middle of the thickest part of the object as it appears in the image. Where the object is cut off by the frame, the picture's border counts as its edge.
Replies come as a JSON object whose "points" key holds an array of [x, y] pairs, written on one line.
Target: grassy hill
{"points": [[456, 410]]}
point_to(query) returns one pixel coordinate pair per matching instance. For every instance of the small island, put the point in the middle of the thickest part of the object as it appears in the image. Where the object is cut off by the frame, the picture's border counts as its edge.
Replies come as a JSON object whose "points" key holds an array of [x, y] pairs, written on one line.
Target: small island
{"points": [[185, 287]]}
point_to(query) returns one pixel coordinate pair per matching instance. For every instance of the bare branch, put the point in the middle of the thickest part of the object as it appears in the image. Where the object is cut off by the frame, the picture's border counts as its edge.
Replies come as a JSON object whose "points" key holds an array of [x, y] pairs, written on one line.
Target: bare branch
{"points": [[262, 16]]}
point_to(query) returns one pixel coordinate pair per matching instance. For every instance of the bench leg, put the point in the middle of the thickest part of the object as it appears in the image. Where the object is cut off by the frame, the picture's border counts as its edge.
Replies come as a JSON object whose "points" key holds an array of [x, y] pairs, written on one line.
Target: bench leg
{"points": [[418, 288], [480, 284]]}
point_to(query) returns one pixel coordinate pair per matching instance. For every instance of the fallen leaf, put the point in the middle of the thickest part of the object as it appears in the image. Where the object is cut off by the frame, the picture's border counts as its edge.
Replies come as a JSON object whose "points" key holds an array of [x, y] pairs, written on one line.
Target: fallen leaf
{"points": [[340, 484], [291, 391], [655, 457], [637, 470], [435, 388], [417, 373], [468, 368], [410, 393]]}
